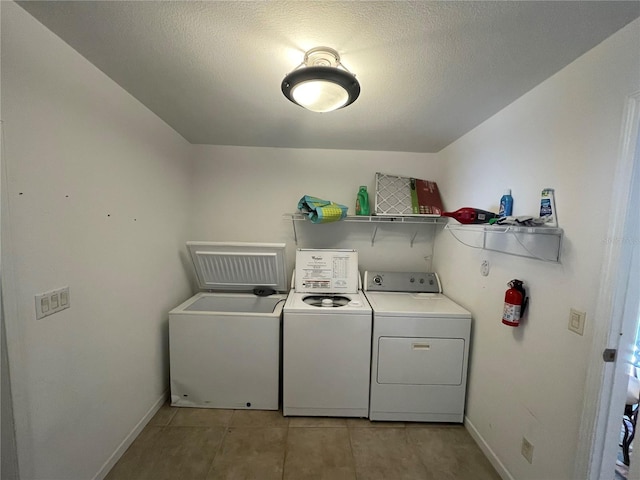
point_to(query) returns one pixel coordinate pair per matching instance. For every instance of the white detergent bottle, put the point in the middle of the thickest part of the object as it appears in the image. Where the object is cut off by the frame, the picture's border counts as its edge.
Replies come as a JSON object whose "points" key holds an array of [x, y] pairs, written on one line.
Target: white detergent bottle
{"points": [[548, 207]]}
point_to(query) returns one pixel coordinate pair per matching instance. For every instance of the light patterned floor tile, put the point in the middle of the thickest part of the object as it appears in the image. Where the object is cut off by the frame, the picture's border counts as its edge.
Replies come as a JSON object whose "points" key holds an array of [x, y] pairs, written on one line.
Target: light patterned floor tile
{"points": [[201, 417], [319, 454], [317, 422], [164, 415], [250, 452], [381, 453], [213, 444], [366, 423], [451, 454], [258, 418], [168, 453]]}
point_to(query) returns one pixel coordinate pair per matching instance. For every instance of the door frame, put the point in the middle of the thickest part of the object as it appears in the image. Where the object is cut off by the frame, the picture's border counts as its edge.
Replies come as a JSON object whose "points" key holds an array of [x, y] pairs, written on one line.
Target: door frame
{"points": [[606, 383], [9, 467]]}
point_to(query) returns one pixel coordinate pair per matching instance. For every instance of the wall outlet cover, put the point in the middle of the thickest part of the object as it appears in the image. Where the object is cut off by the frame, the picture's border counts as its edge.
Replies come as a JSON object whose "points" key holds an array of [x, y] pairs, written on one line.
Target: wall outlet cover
{"points": [[527, 450], [577, 321]]}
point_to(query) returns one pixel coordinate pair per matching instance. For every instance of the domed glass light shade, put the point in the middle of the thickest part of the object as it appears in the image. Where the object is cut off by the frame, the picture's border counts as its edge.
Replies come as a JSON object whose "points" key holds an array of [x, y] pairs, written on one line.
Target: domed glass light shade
{"points": [[321, 86]]}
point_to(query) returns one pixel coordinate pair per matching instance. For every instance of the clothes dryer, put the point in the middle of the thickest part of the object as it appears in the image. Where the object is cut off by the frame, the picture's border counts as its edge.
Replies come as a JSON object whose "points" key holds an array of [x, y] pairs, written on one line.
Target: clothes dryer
{"points": [[420, 349]]}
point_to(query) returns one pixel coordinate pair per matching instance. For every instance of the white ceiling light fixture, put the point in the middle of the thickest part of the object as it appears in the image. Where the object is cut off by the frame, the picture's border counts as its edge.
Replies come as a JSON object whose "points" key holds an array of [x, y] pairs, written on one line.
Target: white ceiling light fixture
{"points": [[321, 86]]}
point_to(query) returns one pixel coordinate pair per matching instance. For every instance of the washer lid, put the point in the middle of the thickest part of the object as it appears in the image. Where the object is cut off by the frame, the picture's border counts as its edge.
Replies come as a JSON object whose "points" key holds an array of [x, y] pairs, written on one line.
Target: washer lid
{"points": [[239, 266]]}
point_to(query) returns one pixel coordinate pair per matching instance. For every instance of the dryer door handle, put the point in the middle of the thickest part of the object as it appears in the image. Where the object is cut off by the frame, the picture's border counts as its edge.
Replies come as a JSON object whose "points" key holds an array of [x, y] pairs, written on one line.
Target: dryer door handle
{"points": [[420, 346]]}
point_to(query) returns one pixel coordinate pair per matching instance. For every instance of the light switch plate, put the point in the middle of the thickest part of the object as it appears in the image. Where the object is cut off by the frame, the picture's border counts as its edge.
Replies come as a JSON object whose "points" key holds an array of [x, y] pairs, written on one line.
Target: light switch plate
{"points": [[576, 321], [51, 302]]}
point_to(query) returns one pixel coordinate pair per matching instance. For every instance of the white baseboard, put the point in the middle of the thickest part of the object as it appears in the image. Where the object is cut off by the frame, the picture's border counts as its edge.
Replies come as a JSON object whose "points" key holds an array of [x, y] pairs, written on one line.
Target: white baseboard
{"points": [[486, 449], [128, 440]]}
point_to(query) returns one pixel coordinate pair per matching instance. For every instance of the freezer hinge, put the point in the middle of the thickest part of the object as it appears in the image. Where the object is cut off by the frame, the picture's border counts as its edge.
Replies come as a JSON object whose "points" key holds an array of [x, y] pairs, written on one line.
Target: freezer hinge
{"points": [[609, 355]]}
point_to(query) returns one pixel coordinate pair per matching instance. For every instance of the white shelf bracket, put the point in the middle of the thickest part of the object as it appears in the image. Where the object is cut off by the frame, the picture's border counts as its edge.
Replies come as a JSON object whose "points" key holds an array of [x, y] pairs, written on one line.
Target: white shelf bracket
{"points": [[373, 235], [415, 234], [295, 233]]}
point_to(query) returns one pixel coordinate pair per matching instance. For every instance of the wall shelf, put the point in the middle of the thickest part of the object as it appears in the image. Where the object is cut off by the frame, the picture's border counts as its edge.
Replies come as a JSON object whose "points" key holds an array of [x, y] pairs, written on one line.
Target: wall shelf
{"points": [[375, 220], [540, 243]]}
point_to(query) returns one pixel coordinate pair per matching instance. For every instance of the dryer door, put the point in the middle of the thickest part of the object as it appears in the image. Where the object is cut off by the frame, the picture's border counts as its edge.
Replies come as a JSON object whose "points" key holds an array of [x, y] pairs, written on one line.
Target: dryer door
{"points": [[420, 361]]}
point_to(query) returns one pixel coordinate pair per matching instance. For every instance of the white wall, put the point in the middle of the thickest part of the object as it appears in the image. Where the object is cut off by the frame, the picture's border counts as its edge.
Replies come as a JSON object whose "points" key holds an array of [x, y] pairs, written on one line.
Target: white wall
{"points": [[563, 134], [99, 196], [241, 194], [95, 196]]}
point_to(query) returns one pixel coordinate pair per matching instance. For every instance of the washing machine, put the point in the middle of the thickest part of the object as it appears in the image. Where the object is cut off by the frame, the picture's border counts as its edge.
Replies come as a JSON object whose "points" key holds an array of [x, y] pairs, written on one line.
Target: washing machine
{"points": [[224, 342], [420, 349], [326, 337]]}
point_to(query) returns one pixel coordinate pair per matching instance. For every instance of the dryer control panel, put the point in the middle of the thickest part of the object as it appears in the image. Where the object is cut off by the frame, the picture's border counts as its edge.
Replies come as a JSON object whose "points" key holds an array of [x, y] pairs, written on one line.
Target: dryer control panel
{"points": [[418, 282]]}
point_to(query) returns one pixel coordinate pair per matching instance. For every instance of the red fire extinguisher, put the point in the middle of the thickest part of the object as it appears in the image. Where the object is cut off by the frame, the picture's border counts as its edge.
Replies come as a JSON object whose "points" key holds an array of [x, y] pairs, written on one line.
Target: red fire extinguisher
{"points": [[515, 303]]}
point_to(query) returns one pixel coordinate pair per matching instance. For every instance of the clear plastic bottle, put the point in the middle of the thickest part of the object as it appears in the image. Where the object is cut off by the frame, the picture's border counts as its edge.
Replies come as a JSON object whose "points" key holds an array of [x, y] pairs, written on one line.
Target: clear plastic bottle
{"points": [[362, 202]]}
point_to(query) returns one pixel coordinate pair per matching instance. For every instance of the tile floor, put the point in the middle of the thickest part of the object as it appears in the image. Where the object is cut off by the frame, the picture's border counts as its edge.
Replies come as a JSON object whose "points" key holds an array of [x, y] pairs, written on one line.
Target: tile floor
{"points": [[207, 444]]}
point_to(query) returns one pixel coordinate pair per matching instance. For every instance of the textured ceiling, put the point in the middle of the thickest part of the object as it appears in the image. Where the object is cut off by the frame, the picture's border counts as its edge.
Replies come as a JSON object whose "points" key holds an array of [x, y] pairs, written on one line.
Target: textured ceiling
{"points": [[429, 71]]}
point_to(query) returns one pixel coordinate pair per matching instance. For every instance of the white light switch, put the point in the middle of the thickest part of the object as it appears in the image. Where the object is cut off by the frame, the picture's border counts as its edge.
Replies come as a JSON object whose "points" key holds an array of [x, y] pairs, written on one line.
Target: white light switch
{"points": [[64, 297]]}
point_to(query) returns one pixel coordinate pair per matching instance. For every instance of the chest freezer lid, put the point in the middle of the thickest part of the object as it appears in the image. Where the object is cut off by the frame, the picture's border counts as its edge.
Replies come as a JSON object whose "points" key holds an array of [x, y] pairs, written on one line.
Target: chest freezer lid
{"points": [[228, 266]]}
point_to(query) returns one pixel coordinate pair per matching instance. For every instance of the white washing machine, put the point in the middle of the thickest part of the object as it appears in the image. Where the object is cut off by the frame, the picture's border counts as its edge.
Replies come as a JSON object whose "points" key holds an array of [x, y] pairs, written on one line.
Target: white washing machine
{"points": [[224, 345], [420, 349], [326, 337]]}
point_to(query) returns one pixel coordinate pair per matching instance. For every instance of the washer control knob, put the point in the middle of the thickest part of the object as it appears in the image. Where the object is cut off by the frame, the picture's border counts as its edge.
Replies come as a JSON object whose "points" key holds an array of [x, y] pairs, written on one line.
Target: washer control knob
{"points": [[422, 280], [412, 279], [377, 280]]}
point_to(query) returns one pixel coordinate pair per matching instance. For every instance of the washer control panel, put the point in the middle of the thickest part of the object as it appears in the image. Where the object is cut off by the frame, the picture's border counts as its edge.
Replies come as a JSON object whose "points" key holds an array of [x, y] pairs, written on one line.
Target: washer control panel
{"points": [[418, 282]]}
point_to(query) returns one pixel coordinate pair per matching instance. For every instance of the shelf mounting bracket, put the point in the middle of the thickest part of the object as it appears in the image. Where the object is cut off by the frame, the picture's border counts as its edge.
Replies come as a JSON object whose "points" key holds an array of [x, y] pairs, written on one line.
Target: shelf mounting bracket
{"points": [[295, 233]]}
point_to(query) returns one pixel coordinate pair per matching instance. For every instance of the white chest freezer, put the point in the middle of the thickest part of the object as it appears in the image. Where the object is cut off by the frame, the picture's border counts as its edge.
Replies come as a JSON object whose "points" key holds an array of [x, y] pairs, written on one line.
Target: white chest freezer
{"points": [[224, 344]]}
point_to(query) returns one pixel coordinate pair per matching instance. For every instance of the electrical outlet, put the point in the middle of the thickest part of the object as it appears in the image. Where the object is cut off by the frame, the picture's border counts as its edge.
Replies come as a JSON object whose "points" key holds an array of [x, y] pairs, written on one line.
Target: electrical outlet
{"points": [[527, 450], [51, 302], [576, 321]]}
